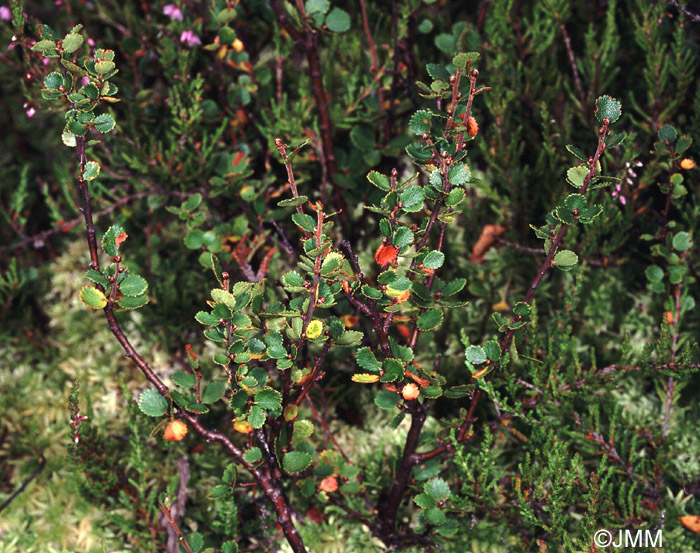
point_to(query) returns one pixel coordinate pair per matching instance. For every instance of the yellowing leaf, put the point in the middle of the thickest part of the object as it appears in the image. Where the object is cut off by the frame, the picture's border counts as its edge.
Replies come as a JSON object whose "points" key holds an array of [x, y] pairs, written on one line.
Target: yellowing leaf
{"points": [[243, 427], [314, 329], [365, 378], [92, 297]]}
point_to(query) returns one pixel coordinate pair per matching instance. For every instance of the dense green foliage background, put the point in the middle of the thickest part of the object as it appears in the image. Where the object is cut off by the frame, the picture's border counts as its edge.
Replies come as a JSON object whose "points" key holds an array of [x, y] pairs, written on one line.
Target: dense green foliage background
{"points": [[202, 102]]}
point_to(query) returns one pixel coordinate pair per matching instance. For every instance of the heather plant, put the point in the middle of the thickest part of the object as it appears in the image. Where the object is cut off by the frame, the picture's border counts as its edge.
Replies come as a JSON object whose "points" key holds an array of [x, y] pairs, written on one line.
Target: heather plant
{"points": [[383, 363]]}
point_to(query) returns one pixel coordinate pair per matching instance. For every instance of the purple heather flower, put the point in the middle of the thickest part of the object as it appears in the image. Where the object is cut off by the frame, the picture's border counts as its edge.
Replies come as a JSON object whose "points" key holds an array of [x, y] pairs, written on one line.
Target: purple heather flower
{"points": [[172, 11], [188, 37], [5, 13]]}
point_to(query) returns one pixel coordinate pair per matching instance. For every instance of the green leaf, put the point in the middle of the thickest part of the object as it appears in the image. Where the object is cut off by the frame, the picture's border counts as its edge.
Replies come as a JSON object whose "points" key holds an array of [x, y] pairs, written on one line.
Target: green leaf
{"points": [[184, 380], [683, 143], [437, 71], [296, 461], [577, 152], [109, 244], [676, 273], [293, 202], [654, 273], [78, 129], [331, 263], [213, 392], [129, 302], [446, 43], [433, 260], [153, 404], [92, 297], [458, 174], [565, 258], [43, 46], [313, 6], [453, 287], [195, 541], [394, 370], [430, 320], [682, 241], [338, 20], [72, 42], [90, 90], [292, 279], [438, 489], [475, 355], [97, 277], [350, 338], [269, 399], [366, 359], [576, 175], [607, 107], [303, 428], [53, 80], [192, 202], [434, 516], [461, 60], [412, 199], [304, 221], [133, 285], [458, 391], [219, 491], [615, 139], [370, 292], [455, 197], [402, 237], [362, 137], [102, 67], [229, 547], [221, 359], [493, 350], [587, 214], [253, 455], [226, 16], [424, 501], [386, 399], [197, 408], [668, 132], [420, 122], [380, 181], [448, 528], [257, 416], [206, 318], [103, 123], [194, 239]]}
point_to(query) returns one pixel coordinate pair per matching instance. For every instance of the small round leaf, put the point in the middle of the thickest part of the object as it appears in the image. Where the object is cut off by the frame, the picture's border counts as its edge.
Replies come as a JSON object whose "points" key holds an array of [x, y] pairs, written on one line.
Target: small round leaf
{"points": [[607, 107], [338, 20], [133, 285], [153, 404], [296, 461]]}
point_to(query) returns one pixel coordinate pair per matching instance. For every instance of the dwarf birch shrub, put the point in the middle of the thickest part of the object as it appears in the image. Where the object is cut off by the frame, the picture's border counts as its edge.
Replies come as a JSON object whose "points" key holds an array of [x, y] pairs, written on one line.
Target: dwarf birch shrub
{"points": [[407, 276]]}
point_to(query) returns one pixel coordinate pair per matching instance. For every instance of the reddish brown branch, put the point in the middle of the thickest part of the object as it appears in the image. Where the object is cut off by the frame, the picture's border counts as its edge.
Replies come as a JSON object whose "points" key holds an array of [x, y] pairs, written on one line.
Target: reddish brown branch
{"points": [[373, 54]]}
